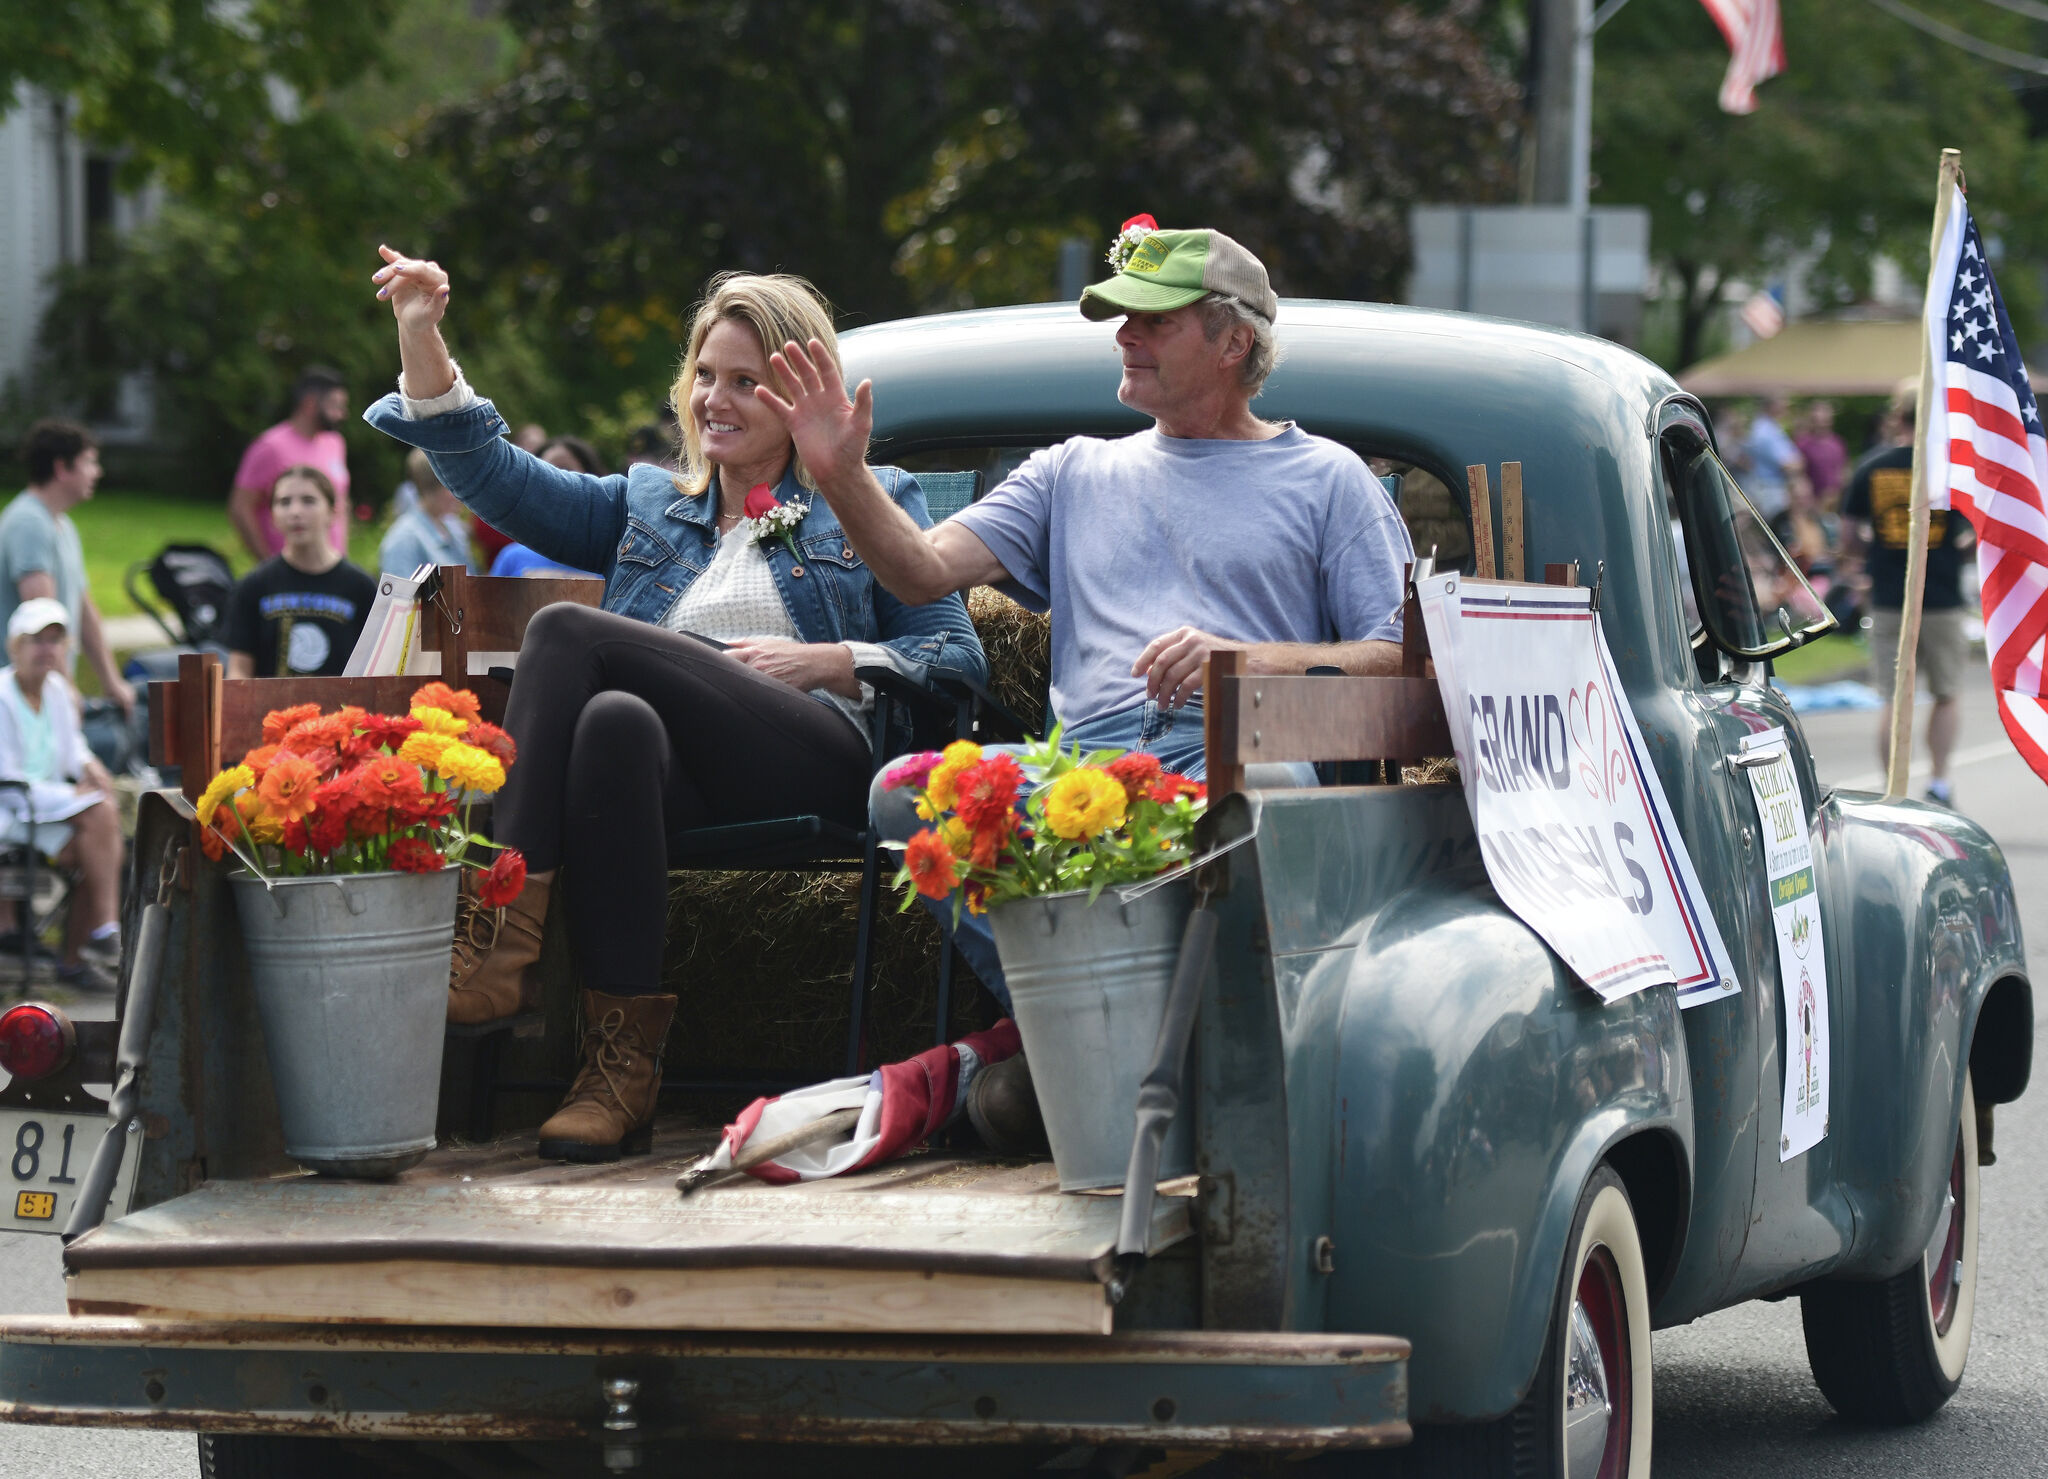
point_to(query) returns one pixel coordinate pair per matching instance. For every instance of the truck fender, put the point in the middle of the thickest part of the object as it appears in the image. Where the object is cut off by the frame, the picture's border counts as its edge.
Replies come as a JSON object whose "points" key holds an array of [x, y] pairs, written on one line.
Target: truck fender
{"points": [[1932, 982], [1479, 1085]]}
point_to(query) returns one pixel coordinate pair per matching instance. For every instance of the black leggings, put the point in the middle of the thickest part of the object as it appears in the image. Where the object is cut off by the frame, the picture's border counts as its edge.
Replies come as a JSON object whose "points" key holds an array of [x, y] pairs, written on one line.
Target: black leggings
{"points": [[609, 714]]}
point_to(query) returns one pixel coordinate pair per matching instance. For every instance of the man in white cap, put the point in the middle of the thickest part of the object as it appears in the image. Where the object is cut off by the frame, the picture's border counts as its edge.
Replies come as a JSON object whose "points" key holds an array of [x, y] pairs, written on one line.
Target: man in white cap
{"points": [[1213, 530], [69, 792]]}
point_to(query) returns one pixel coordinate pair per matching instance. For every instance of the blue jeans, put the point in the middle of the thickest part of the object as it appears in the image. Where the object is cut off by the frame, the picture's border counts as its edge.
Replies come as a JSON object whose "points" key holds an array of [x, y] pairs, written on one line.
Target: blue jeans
{"points": [[1174, 735]]}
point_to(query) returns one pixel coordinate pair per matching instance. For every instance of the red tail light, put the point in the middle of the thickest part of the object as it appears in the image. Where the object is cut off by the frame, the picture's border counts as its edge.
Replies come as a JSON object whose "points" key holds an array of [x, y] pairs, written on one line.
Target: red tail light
{"points": [[35, 1040]]}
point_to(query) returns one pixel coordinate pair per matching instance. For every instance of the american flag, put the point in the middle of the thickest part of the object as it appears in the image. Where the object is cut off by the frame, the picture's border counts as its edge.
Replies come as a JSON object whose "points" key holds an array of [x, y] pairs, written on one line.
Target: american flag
{"points": [[1984, 455], [1756, 48], [1764, 313]]}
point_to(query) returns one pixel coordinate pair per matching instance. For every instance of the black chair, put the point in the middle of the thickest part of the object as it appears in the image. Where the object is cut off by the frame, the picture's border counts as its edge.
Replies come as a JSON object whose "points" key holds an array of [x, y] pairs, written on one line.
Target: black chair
{"points": [[40, 891]]}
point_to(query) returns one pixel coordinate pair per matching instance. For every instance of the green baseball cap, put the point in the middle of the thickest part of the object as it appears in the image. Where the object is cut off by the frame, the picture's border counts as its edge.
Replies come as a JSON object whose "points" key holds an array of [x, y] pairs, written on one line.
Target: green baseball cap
{"points": [[1171, 269]]}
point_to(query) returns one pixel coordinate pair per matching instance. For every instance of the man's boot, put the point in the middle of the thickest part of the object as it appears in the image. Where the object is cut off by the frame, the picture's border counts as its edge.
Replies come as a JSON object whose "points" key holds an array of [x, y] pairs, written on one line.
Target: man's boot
{"points": [[1003, 1108], [610, 1108], [490, 974]]}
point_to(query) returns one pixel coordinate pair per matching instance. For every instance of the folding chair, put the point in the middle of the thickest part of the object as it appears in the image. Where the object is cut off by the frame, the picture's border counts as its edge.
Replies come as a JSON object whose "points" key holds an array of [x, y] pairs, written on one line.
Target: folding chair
{"points": [[39, 889]]}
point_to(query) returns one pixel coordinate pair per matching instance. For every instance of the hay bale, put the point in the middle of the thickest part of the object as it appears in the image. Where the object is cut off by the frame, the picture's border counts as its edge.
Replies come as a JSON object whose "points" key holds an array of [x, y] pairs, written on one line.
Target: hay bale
{"points": [[762, 968], [1019, 648]]}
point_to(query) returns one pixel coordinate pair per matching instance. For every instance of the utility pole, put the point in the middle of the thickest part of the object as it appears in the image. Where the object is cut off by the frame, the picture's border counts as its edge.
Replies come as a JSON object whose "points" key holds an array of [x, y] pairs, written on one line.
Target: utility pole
{"points": [[1555, 39]]}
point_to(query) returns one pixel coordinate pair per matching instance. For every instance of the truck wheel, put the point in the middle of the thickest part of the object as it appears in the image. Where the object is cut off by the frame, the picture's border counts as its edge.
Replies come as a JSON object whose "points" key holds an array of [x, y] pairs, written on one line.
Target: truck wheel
{"points": [[1892, 1352], [266, 1456], [1587, 1415]]}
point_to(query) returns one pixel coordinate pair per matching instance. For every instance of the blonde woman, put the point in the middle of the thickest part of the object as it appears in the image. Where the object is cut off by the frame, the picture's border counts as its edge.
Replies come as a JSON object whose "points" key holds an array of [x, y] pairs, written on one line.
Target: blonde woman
{"points": [[716, 686]]}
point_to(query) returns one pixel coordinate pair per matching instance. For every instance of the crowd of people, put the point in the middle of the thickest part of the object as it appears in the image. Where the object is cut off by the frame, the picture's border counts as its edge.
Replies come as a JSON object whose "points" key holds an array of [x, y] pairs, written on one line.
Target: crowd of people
{"points": [[1845, 518]]}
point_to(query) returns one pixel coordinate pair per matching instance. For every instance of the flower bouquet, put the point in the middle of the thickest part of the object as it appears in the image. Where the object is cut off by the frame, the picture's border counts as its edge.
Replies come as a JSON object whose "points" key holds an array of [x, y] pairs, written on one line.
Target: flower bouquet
{"points": [[1047, 821], [356, 792], [353, 829], [1033, 840]]}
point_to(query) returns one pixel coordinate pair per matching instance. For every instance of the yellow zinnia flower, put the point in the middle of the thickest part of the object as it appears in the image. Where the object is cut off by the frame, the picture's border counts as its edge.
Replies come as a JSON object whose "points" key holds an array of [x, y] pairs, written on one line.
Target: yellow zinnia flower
{"points": [[1084, 802], [956, 836], [424, 748], [234, 778], [439, 721], [470, 768], [958, 756]]}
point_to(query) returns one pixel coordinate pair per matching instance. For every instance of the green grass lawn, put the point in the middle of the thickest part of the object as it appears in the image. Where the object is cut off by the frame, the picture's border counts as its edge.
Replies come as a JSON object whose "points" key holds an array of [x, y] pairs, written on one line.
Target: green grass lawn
{"points": [[1837, 655], [119, 529]]}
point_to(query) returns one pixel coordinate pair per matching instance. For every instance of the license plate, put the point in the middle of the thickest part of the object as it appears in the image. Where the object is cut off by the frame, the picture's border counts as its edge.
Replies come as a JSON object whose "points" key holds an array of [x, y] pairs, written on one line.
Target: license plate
{"points": [[43, 1158]]}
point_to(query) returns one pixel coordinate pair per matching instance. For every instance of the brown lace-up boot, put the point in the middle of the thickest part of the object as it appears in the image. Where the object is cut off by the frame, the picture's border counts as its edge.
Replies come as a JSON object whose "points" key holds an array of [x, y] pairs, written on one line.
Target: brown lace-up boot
{"points": [[490, 974], [610, 1108]]}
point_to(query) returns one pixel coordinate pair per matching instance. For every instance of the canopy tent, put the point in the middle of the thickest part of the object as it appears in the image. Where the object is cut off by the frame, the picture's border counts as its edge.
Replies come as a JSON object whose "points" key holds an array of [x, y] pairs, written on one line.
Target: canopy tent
{"points": [[1818, 357]]}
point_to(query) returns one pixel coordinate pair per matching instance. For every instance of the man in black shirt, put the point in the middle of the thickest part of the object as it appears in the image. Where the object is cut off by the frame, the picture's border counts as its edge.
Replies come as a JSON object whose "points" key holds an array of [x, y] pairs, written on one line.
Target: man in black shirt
{"points": [[299, 613], [1878, 508]]}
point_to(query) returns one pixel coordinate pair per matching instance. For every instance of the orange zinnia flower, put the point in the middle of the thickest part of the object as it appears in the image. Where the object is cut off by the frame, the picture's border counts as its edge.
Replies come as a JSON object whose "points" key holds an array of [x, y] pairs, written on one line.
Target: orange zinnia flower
{"points": [[931, 864], [458, 701], [278, 722], [492, 741], [288, 788], [1136, 773], [388, 781], [258, 760]]}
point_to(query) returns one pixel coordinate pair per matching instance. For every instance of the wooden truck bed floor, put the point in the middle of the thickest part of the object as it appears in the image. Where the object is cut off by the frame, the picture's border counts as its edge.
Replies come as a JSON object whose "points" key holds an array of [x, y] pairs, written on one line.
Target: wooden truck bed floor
{"points": [[490, 1235]]}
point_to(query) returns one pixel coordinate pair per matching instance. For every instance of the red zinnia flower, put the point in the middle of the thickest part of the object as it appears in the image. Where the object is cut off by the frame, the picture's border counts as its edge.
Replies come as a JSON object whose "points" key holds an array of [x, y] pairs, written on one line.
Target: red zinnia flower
{"points": [[295, 838], [1135, 773], [493, 741], [327, 831], [988, 843], [387, 730], [760, 498], [1173, 784], [931, 864], [415, 855], [499, 884], [986, 792]]}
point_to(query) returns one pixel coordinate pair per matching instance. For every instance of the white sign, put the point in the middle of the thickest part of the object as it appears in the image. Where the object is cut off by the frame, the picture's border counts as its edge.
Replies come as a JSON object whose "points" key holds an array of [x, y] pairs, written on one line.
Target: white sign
{"points": [[1802, 954], [1572, 821]]}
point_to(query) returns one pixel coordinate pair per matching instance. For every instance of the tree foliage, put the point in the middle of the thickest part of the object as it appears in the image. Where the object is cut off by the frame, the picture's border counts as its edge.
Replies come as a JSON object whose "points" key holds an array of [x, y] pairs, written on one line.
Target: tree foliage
{"points": [[1837, 164], [911, 154]]}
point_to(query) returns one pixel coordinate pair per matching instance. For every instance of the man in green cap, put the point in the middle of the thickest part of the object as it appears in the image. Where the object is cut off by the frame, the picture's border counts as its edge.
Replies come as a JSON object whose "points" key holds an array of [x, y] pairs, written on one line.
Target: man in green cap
{"points": [[1212, 530]]}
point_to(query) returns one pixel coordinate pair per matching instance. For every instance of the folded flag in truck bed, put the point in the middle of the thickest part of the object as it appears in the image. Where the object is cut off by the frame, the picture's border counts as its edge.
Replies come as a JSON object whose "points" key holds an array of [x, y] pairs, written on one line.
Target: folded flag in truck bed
{"points": [[901, 1105]]}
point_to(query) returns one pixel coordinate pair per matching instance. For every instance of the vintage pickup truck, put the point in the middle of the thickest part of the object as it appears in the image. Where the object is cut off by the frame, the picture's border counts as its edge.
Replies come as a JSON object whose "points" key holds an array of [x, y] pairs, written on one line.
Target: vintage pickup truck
{"points": [[1445, 1193]]}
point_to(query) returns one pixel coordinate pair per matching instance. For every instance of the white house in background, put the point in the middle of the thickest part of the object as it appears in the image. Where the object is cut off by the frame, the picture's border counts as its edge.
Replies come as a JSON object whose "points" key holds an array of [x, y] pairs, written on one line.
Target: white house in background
{"points": [[56, 199]]}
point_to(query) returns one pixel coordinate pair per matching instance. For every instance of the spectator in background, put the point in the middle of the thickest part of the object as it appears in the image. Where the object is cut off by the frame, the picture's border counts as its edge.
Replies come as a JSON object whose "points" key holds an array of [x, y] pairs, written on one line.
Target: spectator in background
{"points": [[309, 437], [572, 454], [1773, 461], [40, 552], [1825, 457], [530, 438], [1877, 520], [433, 532], [650, 444], [299, 612], [43, 743]]}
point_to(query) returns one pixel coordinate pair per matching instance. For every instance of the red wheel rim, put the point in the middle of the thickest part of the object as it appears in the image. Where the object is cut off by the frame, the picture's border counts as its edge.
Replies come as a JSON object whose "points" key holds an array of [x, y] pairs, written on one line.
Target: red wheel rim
{"points": [[1944, 1267], [1600, 1294]]}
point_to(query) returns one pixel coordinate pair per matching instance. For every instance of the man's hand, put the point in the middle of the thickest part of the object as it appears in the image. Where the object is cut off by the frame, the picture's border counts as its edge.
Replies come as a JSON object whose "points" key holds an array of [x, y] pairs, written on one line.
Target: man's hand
{"points": [[830, 431], [92, 776], [802, 665], [1173, 664]]}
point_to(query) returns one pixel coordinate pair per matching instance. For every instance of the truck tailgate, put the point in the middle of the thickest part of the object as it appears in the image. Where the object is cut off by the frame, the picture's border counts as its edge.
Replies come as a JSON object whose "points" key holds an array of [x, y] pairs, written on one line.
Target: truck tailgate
{"points": [[940, 1244]]}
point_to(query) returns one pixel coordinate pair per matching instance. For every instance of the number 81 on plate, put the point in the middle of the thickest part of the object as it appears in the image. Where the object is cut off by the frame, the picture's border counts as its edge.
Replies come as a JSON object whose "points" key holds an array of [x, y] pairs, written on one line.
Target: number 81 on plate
{"points": [[43, 1157]]}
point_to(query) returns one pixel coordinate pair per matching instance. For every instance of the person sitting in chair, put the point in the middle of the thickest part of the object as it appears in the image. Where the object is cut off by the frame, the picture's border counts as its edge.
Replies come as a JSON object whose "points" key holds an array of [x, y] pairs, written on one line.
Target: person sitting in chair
{"points": [[69, 793], [716, 686]]}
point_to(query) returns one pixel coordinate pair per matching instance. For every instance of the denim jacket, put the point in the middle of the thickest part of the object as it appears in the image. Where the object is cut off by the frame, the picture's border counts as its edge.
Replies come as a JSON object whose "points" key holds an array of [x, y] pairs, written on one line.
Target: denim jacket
{"points": [[650, 540]]}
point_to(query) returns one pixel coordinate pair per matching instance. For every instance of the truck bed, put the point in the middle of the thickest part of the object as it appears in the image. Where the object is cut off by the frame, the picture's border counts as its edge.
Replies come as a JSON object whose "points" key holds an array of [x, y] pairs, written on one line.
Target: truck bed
{"points": [[490, 1235]]}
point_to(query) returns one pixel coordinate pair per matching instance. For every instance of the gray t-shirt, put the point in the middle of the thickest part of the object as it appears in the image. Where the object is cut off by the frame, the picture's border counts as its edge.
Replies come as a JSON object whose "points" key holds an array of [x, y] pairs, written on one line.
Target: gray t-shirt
{"points": [[1286, 540], [33, 539]]}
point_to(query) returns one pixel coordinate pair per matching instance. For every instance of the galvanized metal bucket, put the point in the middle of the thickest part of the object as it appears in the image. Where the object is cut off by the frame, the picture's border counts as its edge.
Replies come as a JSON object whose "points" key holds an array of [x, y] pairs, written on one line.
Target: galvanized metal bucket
{"points": [[1089, 984], [351, 980]]}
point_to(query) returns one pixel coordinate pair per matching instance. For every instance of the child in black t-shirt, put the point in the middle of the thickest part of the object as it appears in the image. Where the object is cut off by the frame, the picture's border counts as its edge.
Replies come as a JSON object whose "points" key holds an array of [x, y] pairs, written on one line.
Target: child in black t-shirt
{"points": [[299, 613]]}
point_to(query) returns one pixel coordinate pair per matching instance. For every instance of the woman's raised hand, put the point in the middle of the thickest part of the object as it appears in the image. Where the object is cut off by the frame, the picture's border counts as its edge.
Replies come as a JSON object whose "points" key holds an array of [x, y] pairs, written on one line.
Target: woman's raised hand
{"points": [[829, 430], [417, 290]]}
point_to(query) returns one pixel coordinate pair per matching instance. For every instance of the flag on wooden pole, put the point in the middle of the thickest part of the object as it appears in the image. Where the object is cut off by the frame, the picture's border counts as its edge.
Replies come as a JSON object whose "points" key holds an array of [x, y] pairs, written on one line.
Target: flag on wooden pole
{"points": [[1756, 48], [1980, 447]]}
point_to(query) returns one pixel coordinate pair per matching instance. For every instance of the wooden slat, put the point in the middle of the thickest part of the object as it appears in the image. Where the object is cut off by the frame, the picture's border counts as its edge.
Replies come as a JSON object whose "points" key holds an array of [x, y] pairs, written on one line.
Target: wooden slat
{"points": [[1511, 520], [199, 704], [1268, 718], [1483, 564], [550, 1296], [1220, 745], [493, 610], [1567, 574]]}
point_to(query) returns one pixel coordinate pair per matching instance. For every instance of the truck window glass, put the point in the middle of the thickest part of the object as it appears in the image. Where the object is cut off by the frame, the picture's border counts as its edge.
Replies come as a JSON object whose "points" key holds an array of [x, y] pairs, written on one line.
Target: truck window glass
{"points": [[1745, 591]]}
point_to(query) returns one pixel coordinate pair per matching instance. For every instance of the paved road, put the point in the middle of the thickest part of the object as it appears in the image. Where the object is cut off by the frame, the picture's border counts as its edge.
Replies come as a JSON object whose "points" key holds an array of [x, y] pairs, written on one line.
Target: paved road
{"points": [[1733, 1394]]}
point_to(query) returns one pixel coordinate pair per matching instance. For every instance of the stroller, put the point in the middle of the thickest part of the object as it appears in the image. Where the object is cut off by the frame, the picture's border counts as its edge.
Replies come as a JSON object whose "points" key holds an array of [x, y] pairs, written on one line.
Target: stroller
{"points": [[191, 585]]}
